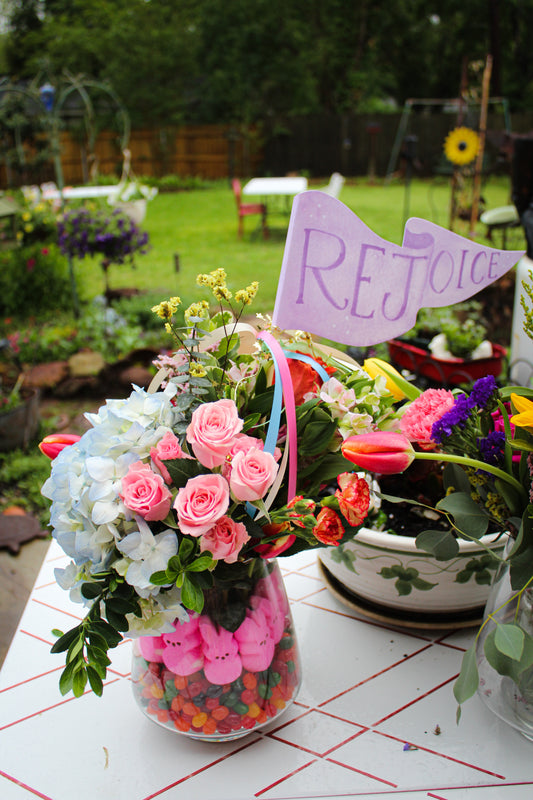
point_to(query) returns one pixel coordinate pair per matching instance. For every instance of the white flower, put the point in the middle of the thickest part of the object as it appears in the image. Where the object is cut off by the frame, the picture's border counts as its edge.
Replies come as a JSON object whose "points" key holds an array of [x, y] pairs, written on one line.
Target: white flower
{"points": [[147, 554], [157, 614]]}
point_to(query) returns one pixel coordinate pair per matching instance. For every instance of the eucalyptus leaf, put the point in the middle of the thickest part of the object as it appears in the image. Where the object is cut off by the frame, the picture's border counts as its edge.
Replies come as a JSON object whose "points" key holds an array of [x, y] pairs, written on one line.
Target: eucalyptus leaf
{"points": [[468, 680], [467, 515], [442, 544], [95, 681], [509, 639], [79, 682]]}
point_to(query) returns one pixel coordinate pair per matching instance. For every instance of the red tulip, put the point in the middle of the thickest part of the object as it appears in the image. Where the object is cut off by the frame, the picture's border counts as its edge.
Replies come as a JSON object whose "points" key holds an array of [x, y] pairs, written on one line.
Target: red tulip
{"points": [[384, 452], [52, 445], [277, 546]]}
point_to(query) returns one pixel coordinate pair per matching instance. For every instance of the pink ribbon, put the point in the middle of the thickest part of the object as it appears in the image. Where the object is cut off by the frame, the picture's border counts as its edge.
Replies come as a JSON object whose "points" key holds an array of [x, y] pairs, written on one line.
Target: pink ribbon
{"points": [[290, 406]]}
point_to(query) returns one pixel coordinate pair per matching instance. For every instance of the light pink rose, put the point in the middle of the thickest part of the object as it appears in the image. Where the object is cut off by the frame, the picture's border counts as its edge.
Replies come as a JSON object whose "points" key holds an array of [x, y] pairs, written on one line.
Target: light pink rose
{"points": [[212, 431], [225, 539], [243, 443], [201, 503], [167, 449], [252, 472], [145, 493]]}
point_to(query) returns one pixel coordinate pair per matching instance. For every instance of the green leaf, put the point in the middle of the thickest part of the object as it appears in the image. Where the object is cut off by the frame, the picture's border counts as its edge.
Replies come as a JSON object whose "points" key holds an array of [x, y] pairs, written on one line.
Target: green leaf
{"points": [[160, 578], [505, 665], [181, 469], [200, 564], [64, 642], [110, 634], [95, 681], [187, 548], [468, 517], [91, 590], [119, 606], [192, 597], [442, 544], [468, 680], [509, 640], [118, 621], [79, 682], [65, 681]]}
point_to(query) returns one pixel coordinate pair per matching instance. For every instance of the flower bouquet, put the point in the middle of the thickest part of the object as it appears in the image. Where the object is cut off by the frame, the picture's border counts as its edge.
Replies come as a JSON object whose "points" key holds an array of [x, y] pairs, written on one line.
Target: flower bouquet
{"points": [[485, 439], [173, 503]]}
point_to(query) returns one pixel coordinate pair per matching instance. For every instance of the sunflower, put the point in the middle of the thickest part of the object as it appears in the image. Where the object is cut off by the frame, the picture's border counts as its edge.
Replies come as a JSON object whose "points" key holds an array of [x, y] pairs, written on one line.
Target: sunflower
{"points": [[461, 146]]}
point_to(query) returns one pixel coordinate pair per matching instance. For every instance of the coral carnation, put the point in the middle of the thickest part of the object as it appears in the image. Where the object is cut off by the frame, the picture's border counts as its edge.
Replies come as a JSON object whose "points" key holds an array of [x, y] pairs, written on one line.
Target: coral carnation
{"points": [[429, 407]]}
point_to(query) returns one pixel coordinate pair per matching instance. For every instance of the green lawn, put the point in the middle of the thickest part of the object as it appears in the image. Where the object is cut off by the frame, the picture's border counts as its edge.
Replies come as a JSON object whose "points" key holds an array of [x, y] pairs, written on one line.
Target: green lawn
{"points": [[200, 226]]}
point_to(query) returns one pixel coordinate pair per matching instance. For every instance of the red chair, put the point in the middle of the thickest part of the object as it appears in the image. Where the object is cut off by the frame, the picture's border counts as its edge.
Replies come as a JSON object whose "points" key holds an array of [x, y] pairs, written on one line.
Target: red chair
{"points": [[247, 209]]}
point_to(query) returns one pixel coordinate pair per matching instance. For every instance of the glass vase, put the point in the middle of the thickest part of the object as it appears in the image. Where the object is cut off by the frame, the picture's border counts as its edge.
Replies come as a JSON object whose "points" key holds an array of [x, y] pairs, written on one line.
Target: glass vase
{"points": [[214, 684], [510, 695]]}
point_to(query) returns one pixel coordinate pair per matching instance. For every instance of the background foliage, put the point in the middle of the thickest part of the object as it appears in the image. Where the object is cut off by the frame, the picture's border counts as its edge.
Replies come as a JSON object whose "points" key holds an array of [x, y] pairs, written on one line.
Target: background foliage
{"points": [[210, 60]]}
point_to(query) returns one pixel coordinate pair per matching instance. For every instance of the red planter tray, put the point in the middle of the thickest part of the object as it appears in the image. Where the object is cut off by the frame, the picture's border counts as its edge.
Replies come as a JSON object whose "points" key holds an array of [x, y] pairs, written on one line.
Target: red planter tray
{"points": [[447, 372]]}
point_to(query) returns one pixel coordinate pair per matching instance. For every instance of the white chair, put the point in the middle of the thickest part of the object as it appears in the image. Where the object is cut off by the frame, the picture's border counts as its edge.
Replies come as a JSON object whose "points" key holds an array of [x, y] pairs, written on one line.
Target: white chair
{"points": [[336, 182]]}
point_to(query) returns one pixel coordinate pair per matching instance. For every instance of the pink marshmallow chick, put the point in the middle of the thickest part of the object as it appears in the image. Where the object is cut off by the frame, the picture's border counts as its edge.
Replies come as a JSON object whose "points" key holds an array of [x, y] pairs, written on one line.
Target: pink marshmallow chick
{"points": [[183, 648], [256, 645], [273, 588], [151, 648], [275, 618], [222, 662]]}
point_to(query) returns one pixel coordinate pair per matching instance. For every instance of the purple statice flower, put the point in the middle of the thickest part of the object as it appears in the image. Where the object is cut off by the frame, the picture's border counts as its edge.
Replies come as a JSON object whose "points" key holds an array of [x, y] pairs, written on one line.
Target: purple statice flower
{"points": [[483, 391], [491, 447], [456, 417]]}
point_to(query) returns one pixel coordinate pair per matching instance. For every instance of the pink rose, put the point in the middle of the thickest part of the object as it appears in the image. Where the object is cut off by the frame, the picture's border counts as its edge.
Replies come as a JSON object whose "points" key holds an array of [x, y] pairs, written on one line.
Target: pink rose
{"points": [[225, 539], [212, 431], [201, 503], [167, 448], [243, 443], [252, 472], [145, 493]]}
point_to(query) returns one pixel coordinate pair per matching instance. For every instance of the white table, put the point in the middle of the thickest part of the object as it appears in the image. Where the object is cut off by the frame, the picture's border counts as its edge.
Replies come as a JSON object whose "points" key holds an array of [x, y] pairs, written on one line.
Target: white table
{"points": [[80, 192], [275, 186], [275, 193], [363, 726]]}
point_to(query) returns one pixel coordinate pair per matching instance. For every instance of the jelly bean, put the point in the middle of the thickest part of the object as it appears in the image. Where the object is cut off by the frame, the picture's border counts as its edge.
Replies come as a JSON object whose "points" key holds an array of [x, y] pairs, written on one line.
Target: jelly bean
{"points": [[249, 680], [190, 709], [195, 687], [210, 727], [248, 722], [261, 717], [214, 690], [254, 710], [248, 696], [240, 708], [211, 703], [279, 702], [220, 712], [177, 703], [264, 691], [154, 667], [223, 727], [182, 724], [199, 720], [285, 642], [180, 682]]}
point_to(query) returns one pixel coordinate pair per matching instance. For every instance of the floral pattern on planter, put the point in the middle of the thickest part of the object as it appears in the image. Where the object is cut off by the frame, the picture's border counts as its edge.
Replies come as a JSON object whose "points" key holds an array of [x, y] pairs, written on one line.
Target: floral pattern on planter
{"points": [[389, 571]]}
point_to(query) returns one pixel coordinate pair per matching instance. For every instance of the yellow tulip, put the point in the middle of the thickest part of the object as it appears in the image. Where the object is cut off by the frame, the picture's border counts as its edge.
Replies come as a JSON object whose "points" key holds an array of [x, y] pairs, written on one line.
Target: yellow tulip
{"points": [[524, 418], [375, 367]]}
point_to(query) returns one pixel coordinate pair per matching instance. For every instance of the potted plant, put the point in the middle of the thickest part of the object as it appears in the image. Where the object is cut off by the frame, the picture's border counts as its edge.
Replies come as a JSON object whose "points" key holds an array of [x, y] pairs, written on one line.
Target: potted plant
{"points": [[384, 572], [486, 439], [449, 346], [19, 406]]}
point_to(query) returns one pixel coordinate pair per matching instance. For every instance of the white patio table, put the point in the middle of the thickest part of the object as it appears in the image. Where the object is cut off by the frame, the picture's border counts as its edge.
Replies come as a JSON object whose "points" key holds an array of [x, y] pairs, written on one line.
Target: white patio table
{"points": [[375, 719], [275, 186], [80, 192]]}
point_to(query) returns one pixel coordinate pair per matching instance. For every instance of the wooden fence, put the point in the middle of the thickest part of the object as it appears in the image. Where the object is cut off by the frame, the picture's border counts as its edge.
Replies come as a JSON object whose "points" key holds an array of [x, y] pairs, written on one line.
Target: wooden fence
{"points": [[351, 144]]}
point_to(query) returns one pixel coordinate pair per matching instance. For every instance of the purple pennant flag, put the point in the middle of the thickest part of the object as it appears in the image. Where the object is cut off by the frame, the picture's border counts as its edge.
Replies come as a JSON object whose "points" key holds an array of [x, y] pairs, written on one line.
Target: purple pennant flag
{"points": [[341, 281]]}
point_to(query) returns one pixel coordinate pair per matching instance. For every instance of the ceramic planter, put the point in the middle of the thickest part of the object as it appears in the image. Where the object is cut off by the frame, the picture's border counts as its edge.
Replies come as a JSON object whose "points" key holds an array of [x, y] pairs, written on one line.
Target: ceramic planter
{"points": [[388, 576], [19, 425]]}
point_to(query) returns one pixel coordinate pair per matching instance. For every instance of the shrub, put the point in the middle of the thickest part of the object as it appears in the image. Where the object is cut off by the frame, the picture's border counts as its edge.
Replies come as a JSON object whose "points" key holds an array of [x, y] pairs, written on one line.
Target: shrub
{"points": [[33, 280]]}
